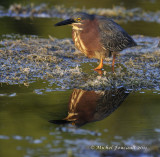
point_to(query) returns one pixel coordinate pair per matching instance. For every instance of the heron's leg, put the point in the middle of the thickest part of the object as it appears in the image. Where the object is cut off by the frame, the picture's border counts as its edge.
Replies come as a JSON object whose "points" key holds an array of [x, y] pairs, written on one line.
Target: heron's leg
{"points": [[100, 66], [113, 61]]}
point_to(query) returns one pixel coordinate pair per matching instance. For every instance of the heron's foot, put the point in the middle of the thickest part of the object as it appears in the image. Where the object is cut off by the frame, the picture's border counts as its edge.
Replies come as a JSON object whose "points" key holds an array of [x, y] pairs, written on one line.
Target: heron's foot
{"points": [[100, 66], [99, 71]]}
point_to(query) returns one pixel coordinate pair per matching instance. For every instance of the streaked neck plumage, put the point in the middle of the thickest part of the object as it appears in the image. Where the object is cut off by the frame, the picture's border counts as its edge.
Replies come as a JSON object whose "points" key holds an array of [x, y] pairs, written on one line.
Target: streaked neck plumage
{"points": [[77, 26]]}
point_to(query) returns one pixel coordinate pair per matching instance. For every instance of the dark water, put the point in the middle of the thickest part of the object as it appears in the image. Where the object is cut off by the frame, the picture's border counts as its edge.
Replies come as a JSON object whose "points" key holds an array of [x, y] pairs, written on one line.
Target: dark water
{"points": [[43, 27], [25, 111], [26, 131]]}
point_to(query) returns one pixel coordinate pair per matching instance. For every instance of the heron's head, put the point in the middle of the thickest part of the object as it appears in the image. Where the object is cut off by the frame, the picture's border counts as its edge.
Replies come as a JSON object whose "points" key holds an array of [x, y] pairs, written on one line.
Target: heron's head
{"points": [[77, 18]]}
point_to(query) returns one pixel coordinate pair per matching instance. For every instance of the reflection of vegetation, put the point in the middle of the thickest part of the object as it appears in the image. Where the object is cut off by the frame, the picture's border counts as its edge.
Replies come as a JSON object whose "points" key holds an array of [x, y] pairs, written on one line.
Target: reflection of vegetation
{"points": [[45, 26], [143, 28], [32, 26], [23, 118]]}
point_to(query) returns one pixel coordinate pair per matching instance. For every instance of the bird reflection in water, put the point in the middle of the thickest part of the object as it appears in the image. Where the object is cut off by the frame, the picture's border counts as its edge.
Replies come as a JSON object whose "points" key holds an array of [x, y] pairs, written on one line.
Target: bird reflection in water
{"points": [[90, 106]]}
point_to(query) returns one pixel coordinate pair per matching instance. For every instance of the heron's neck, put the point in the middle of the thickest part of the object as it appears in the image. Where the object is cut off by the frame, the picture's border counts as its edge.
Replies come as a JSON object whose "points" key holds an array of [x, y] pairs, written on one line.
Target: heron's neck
{"points": [[77, 26]]}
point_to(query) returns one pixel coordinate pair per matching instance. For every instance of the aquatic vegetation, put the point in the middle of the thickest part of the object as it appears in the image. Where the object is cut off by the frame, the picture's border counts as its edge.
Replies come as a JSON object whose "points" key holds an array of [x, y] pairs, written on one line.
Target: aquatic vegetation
{"points": [[59, 11], [27, 58]]}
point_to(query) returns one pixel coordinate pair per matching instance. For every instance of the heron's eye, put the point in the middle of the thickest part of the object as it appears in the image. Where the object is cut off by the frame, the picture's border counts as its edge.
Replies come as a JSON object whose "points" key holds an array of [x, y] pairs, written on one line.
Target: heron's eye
{"points": [[78, 19]]}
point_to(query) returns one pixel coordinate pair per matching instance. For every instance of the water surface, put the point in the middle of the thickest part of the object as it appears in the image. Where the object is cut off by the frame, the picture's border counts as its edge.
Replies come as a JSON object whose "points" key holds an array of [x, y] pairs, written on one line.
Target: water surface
{"points": [[43, 27], [25, 128]]}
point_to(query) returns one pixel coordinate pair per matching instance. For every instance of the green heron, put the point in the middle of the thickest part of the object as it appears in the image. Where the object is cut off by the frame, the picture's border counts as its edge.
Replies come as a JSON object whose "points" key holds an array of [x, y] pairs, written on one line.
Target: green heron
{"points": [[97, 36], [89, 106]]}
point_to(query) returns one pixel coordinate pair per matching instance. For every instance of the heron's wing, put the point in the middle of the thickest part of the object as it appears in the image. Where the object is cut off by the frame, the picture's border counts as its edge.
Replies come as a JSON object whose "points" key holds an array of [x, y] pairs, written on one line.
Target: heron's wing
{"points": [[113, 36]]}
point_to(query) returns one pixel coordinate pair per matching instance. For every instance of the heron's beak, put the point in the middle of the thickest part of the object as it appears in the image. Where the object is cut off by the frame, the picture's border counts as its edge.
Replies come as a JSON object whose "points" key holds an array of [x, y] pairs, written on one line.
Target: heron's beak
{"points": [[65, 22]]}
